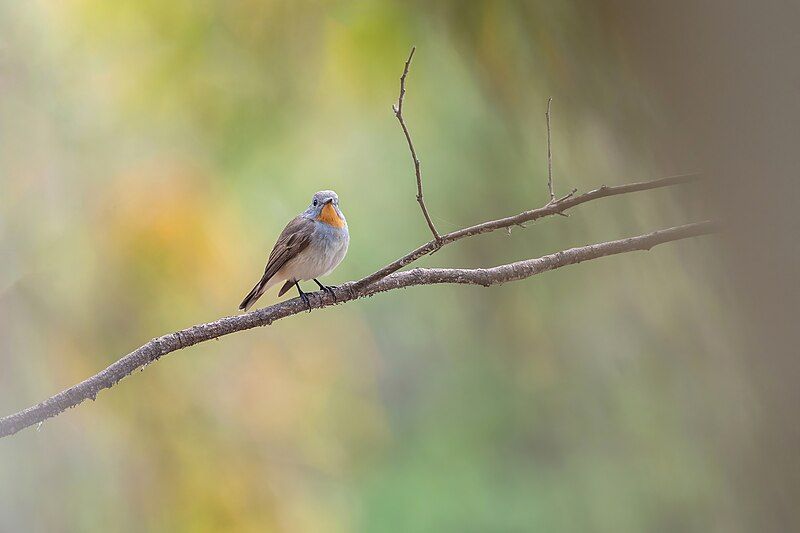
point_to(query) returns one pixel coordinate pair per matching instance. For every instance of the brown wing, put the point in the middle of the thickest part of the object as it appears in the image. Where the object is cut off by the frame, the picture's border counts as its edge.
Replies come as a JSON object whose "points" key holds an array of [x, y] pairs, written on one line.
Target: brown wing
{"points": [[293, 239]]}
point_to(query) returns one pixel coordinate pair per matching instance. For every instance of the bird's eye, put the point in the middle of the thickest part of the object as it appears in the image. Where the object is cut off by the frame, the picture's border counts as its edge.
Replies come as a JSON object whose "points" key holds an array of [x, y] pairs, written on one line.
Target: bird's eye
{"points": [[315, 201]]}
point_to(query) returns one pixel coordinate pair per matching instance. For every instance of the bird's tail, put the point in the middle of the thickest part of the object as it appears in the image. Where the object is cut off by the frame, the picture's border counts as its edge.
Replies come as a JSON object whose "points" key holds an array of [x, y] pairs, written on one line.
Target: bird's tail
{"points": [[260, 288]]}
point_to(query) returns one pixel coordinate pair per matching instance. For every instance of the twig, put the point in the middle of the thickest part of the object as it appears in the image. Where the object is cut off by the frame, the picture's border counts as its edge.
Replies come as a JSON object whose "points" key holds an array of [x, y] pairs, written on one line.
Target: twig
{"points": [[549, 154], [171, 342], [568, 195], [398, 112]]}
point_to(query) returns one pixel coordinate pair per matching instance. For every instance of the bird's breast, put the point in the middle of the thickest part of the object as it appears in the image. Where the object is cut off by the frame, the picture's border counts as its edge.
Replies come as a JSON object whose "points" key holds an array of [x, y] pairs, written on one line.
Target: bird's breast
{"points": [[329, 216], [326, 250]]}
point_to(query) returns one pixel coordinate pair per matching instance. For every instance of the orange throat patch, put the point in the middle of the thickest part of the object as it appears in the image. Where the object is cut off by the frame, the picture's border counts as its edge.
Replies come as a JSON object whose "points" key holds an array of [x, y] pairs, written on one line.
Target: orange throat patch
{"points": [[331, 217]]}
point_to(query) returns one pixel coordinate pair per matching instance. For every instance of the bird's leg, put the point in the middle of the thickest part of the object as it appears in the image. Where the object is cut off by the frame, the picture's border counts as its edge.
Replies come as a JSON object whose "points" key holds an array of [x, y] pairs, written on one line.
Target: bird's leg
{"points": [[326, 288], [303, 296]]}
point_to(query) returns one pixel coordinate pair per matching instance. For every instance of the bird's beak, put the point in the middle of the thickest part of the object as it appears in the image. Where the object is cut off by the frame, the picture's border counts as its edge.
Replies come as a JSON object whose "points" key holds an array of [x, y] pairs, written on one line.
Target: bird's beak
{"points": [[329, 200]]}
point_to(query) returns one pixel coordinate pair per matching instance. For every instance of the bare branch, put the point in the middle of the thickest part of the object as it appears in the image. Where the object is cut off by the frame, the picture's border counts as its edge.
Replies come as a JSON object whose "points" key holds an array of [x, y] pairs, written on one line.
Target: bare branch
{"points": [[486, 277], [549, 154], [398, 112], [557, 208]]}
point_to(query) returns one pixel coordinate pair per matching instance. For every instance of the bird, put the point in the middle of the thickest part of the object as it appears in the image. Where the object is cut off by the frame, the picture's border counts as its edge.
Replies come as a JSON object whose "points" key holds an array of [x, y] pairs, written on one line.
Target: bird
{"points": [[310, 246]]}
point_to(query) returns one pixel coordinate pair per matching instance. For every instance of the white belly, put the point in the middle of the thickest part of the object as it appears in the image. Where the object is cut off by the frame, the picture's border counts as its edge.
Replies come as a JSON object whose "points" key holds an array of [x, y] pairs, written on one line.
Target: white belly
{"points": [[319, 258]]}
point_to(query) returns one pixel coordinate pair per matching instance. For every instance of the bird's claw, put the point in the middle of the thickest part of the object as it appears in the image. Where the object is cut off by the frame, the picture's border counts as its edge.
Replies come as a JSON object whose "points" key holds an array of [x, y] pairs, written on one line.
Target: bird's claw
{"points": [[327, 288], [304, 297]]}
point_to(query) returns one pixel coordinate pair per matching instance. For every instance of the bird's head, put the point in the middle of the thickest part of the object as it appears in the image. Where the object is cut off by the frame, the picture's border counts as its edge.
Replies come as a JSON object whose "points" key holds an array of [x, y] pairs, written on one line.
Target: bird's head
{"points": [[325, 208]]}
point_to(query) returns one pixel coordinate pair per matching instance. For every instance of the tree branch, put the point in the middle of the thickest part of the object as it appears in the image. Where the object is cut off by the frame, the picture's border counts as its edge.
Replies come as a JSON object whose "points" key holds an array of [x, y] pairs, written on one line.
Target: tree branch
{"points": [[549, 153], [548, 209], [486, 277], [550, 186], [398, 112]]}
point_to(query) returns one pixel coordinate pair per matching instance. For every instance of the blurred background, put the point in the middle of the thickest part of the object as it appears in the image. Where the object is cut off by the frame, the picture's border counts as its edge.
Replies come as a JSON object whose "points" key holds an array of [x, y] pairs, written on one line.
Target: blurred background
{"points": [[150, 153]]}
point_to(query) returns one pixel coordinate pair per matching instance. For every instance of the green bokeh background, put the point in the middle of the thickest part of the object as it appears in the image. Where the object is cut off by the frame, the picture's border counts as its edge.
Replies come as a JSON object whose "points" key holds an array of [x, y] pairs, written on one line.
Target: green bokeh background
{"points": [[151, 152]]}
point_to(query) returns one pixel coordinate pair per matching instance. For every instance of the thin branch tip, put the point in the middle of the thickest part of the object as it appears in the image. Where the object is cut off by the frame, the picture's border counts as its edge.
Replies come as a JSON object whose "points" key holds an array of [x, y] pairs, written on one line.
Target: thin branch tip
{"points": [[398, 113], [550, 189]]}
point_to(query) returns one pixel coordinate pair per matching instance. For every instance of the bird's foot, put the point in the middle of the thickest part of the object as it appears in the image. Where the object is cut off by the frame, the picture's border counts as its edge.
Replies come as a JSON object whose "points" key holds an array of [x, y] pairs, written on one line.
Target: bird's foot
{"points": [[327, 288], [303, 296]]}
